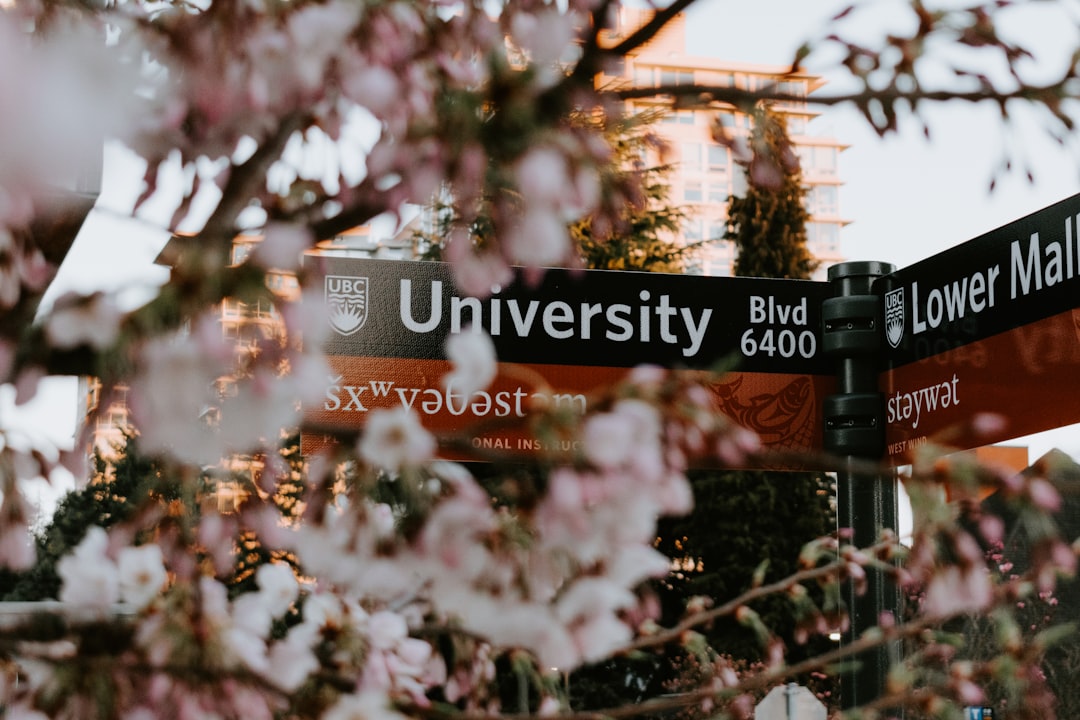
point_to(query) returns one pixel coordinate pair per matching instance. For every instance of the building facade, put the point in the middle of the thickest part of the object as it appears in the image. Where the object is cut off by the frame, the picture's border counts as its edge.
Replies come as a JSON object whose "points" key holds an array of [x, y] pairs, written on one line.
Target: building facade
{"points": [[704, 173]]}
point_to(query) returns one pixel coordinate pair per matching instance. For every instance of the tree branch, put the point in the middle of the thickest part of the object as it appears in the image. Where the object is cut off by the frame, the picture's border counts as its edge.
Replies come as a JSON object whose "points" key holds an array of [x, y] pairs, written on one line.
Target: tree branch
{"points": [[649, 30]]}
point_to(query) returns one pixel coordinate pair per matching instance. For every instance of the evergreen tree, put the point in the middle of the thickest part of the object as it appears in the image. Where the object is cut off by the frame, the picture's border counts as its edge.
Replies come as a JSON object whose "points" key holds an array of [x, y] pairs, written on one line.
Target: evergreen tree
{"points": [[118, 487], [745, 526], [768, 224], [644, 241], [643, 237]]}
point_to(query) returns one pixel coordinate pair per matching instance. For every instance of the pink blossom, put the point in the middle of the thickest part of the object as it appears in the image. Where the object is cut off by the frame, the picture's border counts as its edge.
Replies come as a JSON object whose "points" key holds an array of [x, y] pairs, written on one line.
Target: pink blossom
{"points": [[473, 356], [291, 661], [545, 35], [953, 590], [247, 648], [1044, 495], [386, 629], [173, 390], [251, 614], [394, 439], [372, 86], [631, 564], [629, 433], [87, 575], [277, 586], [542, 174], [539, 239], [17, 550], [141, 574]]}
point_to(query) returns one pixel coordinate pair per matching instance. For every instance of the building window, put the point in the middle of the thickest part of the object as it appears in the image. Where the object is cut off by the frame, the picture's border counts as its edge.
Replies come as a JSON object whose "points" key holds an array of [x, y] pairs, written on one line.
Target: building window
{"points": [[825, 236], [676, 77], [692, 231], [821, 160], [231, 308], [796, 125], [691, 157], [240, 251], [719, 159], [718, 193], [793, 87], [738, 182], [692, 192], [653, 76], [824, 200]]}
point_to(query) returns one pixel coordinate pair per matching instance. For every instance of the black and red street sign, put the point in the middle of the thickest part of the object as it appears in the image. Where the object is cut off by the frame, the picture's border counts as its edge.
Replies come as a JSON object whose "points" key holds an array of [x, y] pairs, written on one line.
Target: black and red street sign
{"points": [[563, 338]]}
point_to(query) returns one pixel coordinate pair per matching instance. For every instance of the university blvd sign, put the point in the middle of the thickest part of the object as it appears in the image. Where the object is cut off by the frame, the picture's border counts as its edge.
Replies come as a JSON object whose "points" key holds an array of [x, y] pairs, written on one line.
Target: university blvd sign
{"points": [[561, 340], [989, 326]]}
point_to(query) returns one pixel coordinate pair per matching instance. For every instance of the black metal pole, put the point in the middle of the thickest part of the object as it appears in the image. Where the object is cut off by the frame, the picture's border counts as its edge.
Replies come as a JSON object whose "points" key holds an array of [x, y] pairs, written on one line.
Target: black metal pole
{"points": [[854, 431]]}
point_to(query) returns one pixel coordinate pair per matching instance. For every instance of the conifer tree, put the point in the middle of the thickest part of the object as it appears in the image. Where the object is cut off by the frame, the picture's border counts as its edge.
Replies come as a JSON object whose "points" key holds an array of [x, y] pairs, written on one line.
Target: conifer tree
{"points": [[642, 237], [768, 223], [119, 486]]}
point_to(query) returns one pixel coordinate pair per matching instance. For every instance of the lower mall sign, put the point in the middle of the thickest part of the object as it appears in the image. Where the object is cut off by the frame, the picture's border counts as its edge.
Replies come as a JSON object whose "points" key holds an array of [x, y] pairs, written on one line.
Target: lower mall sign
{"points": [[561, 340], [989, 326]]}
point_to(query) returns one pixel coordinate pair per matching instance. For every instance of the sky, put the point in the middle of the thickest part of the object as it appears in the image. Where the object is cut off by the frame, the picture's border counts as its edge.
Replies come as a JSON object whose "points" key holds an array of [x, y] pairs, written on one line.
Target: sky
{"points": [[907, 197]]}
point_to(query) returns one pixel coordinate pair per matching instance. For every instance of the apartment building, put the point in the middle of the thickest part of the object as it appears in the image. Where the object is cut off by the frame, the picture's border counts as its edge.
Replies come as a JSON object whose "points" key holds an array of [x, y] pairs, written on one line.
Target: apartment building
{"points": [[704, 174]]}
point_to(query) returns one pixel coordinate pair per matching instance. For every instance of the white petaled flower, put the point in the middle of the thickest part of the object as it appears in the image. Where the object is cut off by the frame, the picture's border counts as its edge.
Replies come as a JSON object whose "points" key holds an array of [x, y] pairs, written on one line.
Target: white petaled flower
{"points": [[88, 576], [277, 584], [386, 629], [622, 435], [473, 356], [292, 661], [368, 705], [142, 573], [394, 439]]}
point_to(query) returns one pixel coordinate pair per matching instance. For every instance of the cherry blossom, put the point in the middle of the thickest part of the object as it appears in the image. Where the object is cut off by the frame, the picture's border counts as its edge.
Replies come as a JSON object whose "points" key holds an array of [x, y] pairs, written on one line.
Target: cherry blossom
{"points": [[89, 577], [473, 357], [395, 439], [141, 574]]}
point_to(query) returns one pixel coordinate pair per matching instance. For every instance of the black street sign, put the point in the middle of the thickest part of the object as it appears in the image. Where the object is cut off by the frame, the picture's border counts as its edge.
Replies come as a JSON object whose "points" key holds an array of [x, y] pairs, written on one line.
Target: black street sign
{"points": [[985, 327], [578, 331]]}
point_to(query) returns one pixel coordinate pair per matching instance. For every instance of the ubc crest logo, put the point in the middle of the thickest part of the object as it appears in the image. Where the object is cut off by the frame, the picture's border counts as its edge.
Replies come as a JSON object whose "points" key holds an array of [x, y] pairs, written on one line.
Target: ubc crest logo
{"points": [[347, 301], [894, 316]]}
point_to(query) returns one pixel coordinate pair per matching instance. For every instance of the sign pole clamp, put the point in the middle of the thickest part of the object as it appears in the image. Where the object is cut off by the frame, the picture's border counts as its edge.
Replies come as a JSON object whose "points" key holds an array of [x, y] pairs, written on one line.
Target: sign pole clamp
{"points": [[851, 322]]}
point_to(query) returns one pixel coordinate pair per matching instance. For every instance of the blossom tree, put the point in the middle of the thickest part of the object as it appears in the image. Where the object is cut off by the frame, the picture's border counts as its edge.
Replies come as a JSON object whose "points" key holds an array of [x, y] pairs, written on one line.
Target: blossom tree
{"points": [[421, 592]]}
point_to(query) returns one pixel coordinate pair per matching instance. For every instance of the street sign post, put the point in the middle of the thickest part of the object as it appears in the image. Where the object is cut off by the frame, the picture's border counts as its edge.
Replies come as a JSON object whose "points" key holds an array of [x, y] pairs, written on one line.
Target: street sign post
{"points": [[562, 339], [989, 326]]}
